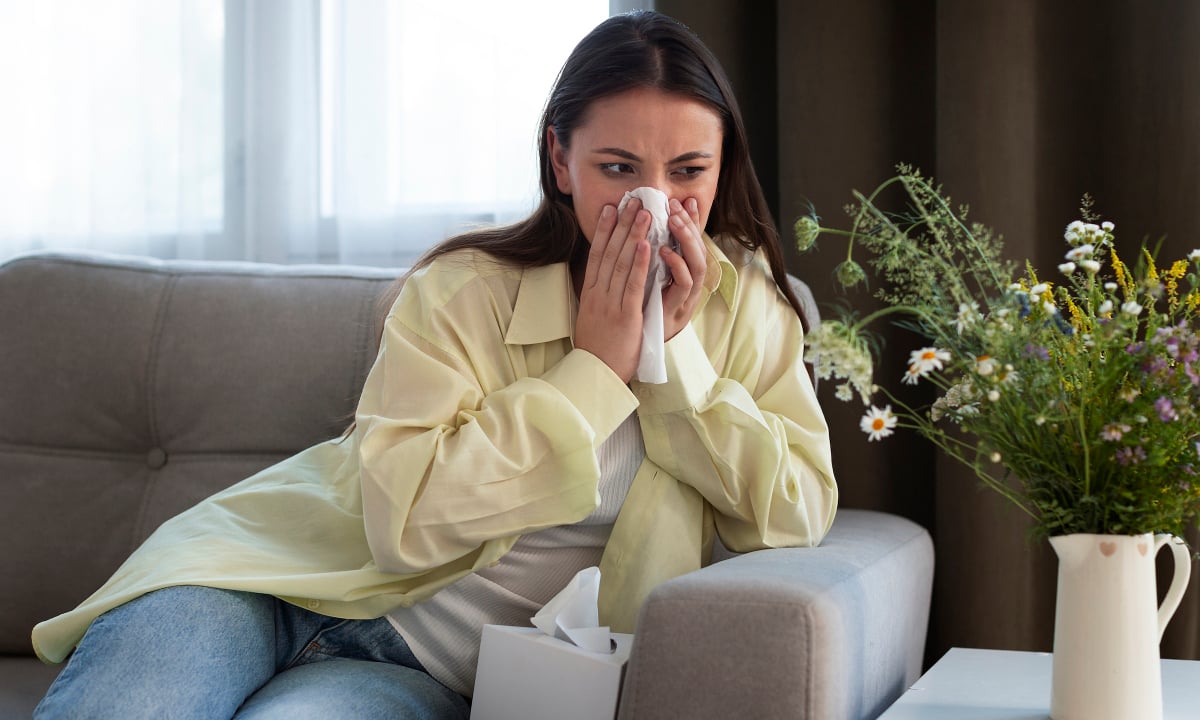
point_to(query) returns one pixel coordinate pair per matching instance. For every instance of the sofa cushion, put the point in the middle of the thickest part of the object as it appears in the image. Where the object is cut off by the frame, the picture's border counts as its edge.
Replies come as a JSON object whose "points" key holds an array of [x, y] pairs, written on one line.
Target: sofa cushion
{"points": [[25, 681], [132, 388]]}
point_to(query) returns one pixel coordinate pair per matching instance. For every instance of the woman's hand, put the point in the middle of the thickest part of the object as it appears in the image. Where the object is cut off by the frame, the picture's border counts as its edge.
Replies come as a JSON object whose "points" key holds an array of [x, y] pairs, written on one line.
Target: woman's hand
{"points": [[609, 324], [682, 296]]}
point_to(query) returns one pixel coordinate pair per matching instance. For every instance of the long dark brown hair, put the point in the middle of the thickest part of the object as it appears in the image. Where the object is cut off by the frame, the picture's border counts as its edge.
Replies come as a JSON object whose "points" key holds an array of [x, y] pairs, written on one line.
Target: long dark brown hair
{"points": [[642, 49]]}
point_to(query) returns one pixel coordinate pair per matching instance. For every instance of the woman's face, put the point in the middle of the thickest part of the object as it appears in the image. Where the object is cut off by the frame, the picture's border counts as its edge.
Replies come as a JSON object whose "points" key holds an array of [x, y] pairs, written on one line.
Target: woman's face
{"points": [[641, 137]]}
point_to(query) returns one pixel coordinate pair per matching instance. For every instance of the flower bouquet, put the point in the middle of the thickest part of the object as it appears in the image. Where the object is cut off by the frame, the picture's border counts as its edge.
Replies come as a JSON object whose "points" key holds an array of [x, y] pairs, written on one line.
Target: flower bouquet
{"points": [[1073, 393]]}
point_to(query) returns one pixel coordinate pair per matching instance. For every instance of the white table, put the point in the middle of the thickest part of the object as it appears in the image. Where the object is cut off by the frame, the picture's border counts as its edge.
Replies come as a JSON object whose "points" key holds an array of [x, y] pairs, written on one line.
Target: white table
{"points": [[1007, 685]]}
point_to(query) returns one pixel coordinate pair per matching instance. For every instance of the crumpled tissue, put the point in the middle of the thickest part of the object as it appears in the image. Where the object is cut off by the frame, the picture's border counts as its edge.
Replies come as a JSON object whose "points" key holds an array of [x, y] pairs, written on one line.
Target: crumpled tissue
{"points": [[573, 614], [652, 364]]}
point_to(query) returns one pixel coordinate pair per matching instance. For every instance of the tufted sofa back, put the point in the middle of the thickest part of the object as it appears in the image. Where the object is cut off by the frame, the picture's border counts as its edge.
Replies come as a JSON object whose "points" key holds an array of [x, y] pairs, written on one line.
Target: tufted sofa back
{"points": [[131, 388]]}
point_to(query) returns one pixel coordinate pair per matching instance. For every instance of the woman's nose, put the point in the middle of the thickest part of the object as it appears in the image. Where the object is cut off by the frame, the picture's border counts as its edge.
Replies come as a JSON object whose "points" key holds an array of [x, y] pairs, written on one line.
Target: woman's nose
{"points": [[659, 184]]}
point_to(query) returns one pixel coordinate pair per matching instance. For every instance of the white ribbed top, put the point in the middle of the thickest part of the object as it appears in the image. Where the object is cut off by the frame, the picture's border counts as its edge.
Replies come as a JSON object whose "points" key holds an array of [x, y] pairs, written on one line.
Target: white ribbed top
{"points": [[444, 632]]}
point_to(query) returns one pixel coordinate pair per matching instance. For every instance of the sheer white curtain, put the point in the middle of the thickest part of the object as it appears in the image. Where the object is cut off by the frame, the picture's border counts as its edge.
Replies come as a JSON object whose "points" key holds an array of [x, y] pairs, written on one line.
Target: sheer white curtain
{"points": [[273, 130]]}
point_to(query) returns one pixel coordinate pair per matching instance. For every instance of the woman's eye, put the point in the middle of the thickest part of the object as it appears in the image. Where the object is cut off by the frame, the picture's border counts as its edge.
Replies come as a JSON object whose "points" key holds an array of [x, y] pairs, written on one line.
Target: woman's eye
{"points": [[690, 171], [616, 168]]}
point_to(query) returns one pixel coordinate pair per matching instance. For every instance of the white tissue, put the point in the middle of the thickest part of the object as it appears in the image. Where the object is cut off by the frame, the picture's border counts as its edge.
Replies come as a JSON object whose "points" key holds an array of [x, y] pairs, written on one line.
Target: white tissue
{"points": [[652, 364], [573, 614]]}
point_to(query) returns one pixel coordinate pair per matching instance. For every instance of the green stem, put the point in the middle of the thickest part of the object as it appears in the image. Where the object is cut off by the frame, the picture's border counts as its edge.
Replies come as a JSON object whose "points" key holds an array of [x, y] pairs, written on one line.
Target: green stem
{"points": [[889, 310], [941, 201], [954, 448]]}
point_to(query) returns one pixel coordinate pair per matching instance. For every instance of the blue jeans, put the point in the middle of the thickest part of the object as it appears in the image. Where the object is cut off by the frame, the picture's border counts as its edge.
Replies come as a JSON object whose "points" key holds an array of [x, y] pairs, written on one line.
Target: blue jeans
{"points": [[195, 652]]}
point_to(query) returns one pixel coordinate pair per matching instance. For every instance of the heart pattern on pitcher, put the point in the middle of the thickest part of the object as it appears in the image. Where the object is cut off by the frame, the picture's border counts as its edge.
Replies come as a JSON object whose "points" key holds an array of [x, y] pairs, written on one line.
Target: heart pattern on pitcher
{"points": [[1143, 548], [1108, 548]]}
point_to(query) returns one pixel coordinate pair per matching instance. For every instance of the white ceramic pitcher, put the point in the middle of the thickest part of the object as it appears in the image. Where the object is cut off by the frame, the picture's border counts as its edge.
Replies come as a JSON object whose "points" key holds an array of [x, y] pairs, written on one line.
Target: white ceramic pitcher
{"points": [[1107, 627]]}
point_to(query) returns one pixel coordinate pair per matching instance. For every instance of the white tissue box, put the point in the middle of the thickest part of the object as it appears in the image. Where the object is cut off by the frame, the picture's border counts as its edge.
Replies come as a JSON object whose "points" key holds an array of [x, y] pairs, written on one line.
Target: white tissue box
{"points": [[524, 674]]}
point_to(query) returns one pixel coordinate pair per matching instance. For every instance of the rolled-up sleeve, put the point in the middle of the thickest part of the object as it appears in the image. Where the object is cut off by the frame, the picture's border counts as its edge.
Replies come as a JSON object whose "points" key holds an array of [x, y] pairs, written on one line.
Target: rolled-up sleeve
{"points": [[739, 421]]}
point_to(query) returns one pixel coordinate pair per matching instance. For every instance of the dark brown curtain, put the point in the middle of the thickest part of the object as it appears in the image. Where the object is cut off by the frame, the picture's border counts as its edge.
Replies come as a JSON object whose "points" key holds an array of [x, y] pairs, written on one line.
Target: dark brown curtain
{"points": [[1018, 107]]}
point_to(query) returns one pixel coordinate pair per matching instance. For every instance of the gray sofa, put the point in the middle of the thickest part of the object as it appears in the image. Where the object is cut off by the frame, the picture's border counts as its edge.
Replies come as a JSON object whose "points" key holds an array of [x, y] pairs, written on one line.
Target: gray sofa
{"points": [[131, 388]]}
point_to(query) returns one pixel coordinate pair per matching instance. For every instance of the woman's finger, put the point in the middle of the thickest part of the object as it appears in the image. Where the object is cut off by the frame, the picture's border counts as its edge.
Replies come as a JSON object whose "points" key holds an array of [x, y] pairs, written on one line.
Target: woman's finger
{"points": [[611, 253], [635, 282], [604, 231], [687, 267], [624, 270], [685, 229]]}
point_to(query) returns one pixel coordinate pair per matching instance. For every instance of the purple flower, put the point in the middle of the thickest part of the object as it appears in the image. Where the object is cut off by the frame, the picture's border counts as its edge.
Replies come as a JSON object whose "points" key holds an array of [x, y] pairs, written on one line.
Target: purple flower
{"points": [[1165, 409], [1155, 366], [1164, 334], [1113, 431], [1037, 351], [1131, 455]]}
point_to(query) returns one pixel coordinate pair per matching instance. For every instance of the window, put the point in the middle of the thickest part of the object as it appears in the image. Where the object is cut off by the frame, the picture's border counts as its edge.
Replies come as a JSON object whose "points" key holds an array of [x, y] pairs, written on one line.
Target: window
{"points": [[355, 131]]}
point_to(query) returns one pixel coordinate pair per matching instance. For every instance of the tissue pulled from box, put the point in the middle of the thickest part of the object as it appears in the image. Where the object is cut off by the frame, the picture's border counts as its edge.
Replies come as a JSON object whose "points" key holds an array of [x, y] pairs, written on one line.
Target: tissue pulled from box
{"points": [[573, 614], [652, 364]]}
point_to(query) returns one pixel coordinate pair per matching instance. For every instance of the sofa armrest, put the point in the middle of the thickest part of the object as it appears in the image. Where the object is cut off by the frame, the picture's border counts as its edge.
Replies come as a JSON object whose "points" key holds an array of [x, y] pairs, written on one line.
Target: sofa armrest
{"points": [[835, 631]]}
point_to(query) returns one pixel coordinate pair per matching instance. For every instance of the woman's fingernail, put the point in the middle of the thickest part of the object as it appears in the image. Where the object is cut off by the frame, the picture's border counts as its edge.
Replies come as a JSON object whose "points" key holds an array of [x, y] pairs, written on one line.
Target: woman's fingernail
{"points": [[607, 212], [692, 205]]}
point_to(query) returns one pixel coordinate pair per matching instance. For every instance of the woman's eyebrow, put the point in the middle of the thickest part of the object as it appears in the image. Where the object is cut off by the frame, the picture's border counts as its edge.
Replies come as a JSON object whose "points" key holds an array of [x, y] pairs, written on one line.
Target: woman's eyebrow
{"points": [[693, 155]]}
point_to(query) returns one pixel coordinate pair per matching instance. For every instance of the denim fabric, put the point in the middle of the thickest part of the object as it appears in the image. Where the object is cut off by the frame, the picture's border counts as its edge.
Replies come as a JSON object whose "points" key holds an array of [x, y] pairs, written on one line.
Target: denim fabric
{"points": [[195, 652]]}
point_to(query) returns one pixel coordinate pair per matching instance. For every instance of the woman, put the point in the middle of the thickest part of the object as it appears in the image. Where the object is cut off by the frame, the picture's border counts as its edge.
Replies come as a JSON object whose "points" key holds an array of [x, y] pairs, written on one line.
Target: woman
{"points": [[500, 443]]}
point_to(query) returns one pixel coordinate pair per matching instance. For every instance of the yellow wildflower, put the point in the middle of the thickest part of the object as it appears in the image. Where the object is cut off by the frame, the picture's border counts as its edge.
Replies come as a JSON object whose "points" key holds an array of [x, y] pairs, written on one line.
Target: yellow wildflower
{"points": [[1076, 315], [1178, 270], [1151, 272], [1122, 275]]}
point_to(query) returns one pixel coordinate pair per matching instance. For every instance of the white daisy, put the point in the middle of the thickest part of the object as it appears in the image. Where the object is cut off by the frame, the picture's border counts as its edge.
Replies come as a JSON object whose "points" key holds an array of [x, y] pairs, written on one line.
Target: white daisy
{"points": [[968, 313], [928, 359], [877, 423], [1082, 252], [1074, 232], [1008, 375]]}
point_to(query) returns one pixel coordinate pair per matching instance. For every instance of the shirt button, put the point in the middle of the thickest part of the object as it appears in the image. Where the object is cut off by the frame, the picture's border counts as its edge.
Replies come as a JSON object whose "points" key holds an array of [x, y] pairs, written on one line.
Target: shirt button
{"points": [[313, 604]]}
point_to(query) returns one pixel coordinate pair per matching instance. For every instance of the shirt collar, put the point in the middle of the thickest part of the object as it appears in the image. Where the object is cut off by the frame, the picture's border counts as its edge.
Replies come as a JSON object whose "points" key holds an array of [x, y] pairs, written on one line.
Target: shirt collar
{"points": [[540, 315]]}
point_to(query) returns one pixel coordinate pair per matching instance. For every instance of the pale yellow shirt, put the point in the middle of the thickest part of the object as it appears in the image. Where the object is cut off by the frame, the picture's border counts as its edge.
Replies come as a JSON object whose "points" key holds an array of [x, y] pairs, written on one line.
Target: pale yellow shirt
{"points": [[480, 422]]}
